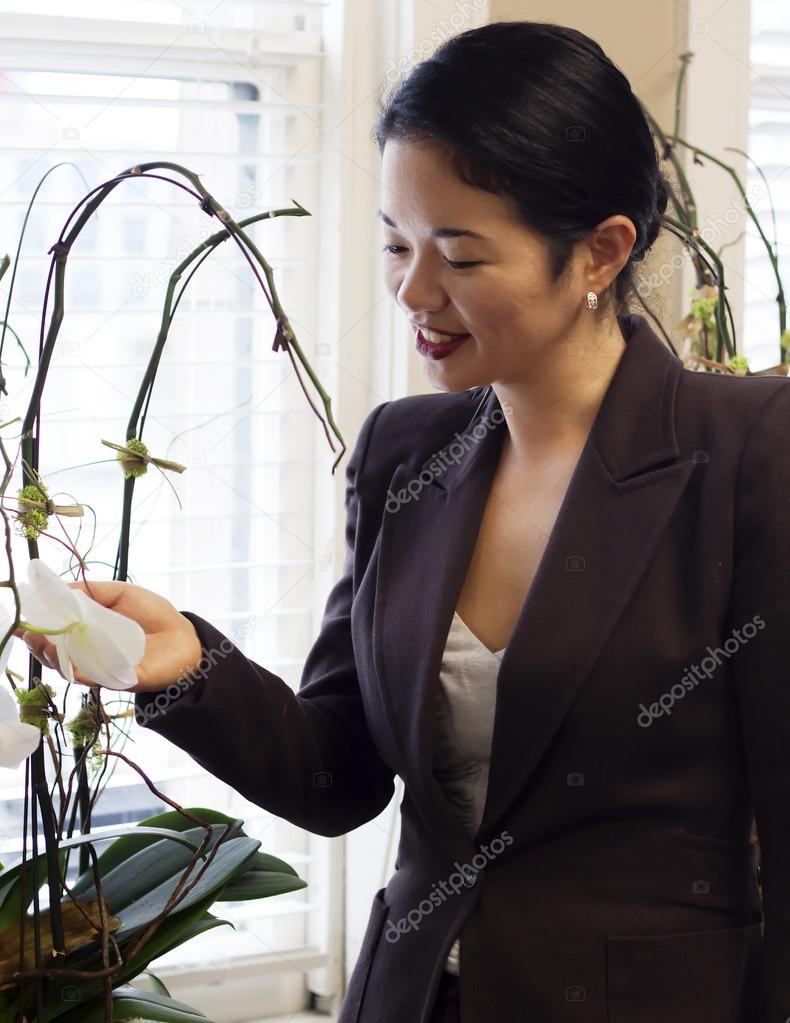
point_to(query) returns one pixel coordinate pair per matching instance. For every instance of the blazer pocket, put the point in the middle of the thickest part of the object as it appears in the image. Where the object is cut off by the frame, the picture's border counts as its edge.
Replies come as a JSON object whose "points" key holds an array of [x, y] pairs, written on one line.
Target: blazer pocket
{"points": [[697, 977], [358, 980], [718, 873]]}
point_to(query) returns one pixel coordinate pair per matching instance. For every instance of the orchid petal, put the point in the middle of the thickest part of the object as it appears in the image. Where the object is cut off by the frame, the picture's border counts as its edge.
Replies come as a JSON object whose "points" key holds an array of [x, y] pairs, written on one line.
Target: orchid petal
{"points": [[6, 651], [9, 708], [127, 636], [64, 663], [17, 741], [124, 679], [98, 658], [36, 612], [58, 595], [6, 621], [47, 602]]}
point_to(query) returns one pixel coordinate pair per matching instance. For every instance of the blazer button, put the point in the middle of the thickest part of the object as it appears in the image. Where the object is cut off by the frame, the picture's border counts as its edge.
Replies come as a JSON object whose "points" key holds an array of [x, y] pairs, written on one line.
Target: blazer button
{"points": [[470, 878]]}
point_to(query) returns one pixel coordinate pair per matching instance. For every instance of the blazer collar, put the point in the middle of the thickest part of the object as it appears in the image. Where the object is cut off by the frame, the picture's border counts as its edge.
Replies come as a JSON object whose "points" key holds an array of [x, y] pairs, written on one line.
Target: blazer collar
{"points": [[626, 483], [633, 430]]}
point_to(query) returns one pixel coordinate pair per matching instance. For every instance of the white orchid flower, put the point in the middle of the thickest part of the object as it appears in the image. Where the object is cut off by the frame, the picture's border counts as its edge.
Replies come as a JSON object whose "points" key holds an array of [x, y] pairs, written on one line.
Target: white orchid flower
{"points": [[17, 739], [103, 645]]}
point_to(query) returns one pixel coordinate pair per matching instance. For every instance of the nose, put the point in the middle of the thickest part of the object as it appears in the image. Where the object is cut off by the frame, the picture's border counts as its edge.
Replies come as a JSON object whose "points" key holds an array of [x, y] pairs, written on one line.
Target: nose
{"points": [[419, 290]]}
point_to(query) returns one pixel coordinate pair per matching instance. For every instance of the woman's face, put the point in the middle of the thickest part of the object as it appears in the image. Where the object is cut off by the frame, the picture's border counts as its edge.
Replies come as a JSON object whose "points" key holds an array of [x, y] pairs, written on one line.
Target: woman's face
{"points": [[496, 288]]}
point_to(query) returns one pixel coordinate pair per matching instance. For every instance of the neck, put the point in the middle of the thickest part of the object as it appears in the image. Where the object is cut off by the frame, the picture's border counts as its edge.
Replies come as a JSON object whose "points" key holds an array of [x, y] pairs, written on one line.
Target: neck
{"points": [[553, 411]]}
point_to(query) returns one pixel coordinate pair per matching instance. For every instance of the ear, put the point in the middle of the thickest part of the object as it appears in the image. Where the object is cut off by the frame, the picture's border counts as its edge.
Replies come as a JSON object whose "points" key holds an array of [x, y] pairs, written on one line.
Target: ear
{"points": [[609, 246]]}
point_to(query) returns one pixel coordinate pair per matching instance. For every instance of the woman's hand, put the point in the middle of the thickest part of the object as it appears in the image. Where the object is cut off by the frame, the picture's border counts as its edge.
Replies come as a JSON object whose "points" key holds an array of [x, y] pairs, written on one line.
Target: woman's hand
{"points": [[172, 647]]}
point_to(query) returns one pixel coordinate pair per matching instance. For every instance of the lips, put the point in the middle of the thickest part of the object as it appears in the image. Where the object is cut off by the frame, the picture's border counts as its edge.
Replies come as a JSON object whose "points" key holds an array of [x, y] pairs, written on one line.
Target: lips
{"points": [[438, 337]]}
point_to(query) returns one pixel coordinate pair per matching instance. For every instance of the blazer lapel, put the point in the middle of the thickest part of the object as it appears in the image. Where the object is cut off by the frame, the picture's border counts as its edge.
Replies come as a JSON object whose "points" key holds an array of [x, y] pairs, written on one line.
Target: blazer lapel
{"points": [[625, 486]]}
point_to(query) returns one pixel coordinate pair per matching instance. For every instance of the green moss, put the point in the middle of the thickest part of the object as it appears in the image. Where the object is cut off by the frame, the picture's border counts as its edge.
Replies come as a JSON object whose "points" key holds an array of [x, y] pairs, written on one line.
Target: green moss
{"points": [[82, 729], [133, 466], [704, 310], [738, 362], [34, 705], [33, 521]]}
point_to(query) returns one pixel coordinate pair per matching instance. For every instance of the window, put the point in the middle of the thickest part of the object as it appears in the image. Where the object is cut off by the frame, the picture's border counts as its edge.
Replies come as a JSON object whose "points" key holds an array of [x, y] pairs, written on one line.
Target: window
{"points": [[769, 147], [233, 92]]}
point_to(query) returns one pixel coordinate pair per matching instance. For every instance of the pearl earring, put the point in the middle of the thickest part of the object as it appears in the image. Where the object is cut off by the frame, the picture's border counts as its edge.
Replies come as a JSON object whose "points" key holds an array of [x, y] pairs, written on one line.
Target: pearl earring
{"points": [[592, 300]]}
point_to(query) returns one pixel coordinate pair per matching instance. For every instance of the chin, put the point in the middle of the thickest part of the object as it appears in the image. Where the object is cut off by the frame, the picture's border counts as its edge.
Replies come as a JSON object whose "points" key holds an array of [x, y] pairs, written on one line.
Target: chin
{"points": [[457, 385]]}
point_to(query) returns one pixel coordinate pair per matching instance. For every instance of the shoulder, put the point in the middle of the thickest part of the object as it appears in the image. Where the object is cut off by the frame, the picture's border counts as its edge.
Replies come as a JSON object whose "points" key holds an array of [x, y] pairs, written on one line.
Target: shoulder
{"points": [[726, 409], [410, 430]]}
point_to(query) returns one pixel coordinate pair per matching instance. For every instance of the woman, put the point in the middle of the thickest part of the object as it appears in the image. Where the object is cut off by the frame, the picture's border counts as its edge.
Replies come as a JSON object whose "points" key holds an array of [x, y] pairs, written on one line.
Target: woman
{"points": [[563, 618]]}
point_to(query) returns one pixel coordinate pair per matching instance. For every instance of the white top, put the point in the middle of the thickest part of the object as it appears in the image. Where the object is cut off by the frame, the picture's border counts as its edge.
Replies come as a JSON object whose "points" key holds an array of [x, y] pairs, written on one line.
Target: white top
{"points": [[464, 723]]}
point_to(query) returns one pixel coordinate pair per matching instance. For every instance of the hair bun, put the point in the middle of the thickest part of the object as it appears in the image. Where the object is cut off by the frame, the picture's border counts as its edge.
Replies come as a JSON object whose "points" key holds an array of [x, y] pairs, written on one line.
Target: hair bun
{"points": [[648, 230]]}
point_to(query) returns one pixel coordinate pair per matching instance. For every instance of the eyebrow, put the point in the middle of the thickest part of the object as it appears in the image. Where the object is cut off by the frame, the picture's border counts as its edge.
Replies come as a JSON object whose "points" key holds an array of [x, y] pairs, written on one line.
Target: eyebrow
{"points": [[440, 232]]}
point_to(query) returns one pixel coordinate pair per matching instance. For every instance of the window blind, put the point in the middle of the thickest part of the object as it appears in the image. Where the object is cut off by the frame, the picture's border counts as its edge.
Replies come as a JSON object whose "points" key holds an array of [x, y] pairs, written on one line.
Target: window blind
{"points": [[233, 92], [769, 147]]}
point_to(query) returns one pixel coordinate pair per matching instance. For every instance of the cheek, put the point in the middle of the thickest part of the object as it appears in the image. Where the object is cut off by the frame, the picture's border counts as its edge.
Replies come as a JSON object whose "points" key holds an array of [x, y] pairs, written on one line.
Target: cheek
{"points": [[487, 301], [513, 295]]}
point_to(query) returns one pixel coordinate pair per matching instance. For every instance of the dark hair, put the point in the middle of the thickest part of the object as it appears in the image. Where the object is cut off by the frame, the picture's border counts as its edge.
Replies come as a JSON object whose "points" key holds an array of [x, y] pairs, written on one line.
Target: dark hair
{"points": [[538, 113]]}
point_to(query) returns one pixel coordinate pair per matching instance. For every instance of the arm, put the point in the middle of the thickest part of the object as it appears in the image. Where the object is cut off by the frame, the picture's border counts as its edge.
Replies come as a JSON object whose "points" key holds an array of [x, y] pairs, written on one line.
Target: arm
{"points": [[760, 669], [308, 756]]}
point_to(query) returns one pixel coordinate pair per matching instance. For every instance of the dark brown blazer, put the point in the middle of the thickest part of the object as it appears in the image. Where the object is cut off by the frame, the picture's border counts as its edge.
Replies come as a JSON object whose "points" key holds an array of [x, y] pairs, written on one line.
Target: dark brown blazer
{"points": [[642, 715]]}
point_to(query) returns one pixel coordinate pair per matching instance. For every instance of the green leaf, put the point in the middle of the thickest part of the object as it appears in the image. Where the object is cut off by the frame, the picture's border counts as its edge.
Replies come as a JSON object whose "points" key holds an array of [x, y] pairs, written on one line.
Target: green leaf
{"points": [[158, 986], [70, 843], [264, 877], [133, 1003], [11, 907], [230, 856], [188, 920], [140, 835], [174, 931], [260, 884], [142, 870], [265, 861]]}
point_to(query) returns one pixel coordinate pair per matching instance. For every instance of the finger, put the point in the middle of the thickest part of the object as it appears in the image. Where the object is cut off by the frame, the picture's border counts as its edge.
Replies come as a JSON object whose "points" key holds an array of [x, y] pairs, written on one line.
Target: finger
{"points": [[36, 644]]}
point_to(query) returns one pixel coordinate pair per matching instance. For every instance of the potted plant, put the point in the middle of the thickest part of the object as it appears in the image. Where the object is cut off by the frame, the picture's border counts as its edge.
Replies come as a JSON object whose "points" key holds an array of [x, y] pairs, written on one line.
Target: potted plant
{"points": [[153, 886]]}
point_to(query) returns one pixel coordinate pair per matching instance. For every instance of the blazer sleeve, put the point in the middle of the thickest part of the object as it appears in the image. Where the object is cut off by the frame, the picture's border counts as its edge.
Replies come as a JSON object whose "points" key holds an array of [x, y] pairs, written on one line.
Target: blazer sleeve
{"points": [[305, 756], [759, 617]]}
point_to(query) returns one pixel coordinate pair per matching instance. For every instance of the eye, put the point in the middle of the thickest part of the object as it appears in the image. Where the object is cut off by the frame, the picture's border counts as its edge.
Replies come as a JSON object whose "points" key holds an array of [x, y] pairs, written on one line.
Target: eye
{"points": [[394, 250], [461, 266]]}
